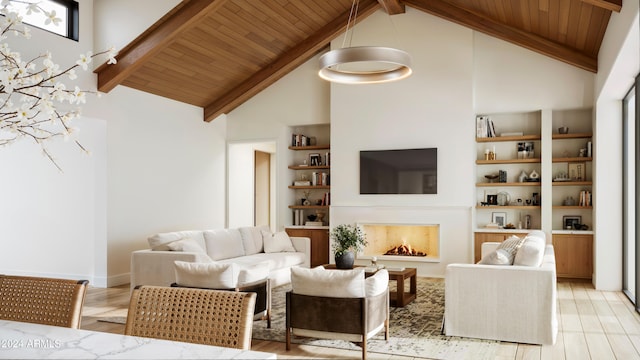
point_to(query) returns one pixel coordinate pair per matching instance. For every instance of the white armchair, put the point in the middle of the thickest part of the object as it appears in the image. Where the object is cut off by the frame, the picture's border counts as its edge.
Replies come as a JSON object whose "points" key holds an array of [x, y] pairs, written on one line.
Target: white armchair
{"points": [[508, 303]]}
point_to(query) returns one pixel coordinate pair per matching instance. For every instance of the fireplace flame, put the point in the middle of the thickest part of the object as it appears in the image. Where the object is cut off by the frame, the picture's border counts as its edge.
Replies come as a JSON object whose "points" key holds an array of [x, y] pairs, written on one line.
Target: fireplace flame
{"points": [[405, 249]]}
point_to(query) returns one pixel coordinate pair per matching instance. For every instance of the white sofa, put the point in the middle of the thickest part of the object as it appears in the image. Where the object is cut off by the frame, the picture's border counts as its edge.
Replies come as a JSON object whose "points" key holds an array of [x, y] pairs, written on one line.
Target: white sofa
{"points": [[244, 246], [514, 303]]}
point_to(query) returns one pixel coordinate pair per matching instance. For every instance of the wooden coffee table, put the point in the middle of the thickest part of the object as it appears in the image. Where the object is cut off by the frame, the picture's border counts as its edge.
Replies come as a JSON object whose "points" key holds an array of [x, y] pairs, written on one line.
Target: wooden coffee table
{"points": [[400, 297]]}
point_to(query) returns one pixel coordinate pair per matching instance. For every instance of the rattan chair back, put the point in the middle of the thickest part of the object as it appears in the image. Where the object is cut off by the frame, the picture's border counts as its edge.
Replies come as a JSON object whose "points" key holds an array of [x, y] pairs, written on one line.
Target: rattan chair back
{"points": [[40, 300], [210, 317]]}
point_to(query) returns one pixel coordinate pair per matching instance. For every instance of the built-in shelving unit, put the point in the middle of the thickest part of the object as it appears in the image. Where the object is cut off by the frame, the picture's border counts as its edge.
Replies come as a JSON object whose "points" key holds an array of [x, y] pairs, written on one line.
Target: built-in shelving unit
{"points": [[564, 165], [312, 198]]}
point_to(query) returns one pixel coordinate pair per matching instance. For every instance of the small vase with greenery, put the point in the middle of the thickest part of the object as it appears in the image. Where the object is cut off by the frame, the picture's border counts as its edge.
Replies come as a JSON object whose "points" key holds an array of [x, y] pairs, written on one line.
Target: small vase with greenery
{"points": [[347, 240]]}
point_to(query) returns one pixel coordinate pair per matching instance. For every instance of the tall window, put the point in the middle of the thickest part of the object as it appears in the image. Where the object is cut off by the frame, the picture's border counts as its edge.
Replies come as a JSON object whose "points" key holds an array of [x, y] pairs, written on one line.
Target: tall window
{"points": [[65, 10], [631, 190]]}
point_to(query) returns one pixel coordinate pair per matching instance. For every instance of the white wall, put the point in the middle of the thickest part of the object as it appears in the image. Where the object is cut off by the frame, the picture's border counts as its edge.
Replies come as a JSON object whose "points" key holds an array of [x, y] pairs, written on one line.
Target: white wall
{"points": [[165, 172], [52, 222], [155, 166], [618, 64], [299, 98], [457, 74]]}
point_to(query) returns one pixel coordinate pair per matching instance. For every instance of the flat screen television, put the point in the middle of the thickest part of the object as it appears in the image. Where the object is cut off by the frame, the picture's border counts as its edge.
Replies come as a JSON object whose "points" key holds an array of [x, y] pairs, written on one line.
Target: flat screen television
{"points": [[402, 171]]}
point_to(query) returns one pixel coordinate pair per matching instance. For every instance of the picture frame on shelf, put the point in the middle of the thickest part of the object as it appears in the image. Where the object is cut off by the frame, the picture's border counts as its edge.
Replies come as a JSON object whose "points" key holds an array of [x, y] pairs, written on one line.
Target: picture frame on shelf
{"points": [[569, 221], [315, 159], [499, 218], [577, 171], [492, 199]]}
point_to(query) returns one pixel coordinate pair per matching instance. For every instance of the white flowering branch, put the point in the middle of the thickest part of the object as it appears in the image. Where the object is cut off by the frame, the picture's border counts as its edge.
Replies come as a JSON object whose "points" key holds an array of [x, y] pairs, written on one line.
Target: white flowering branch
{"points": [[34, 102]]}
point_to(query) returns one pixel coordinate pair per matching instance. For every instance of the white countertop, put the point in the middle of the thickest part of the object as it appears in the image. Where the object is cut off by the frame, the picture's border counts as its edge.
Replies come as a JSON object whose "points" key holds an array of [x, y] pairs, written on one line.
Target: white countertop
{"points": [[34, 341]]}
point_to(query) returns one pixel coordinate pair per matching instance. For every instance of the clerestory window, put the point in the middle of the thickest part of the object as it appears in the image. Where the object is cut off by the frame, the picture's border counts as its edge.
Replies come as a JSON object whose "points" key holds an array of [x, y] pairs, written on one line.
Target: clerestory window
{"points": [[61, 16]]}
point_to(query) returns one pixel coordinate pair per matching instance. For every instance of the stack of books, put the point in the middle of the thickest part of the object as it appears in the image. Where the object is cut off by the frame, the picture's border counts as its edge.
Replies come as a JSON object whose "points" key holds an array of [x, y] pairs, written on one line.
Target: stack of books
{"points": [[484, 127]]}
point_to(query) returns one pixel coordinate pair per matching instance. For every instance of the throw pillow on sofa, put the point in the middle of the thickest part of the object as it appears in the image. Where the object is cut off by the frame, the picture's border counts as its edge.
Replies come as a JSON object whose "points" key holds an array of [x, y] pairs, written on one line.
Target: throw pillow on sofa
{"points": [[504, 254], [186, 244], [224, 243], [531, 252], [278, 242]]}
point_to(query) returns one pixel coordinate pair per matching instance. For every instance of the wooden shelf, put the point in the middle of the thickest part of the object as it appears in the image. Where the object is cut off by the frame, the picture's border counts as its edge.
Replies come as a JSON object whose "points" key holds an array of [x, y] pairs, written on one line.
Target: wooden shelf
{"points": [[310, 187], [572, 183], [572, 136], [310, 147], [572, 159], [522, 207], [498, 184], [508, 161], [302, 167], [508, 138], [308, 206], [573, 207]]}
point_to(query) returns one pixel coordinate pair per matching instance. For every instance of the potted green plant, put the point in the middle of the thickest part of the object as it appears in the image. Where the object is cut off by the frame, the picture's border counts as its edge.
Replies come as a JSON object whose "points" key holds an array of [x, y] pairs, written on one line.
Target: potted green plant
{"points": [[347, 240]]}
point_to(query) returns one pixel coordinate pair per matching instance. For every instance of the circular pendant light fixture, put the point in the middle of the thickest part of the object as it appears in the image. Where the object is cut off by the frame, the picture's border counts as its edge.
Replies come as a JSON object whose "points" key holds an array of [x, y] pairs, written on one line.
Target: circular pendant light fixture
{"points": [[363, 64]]}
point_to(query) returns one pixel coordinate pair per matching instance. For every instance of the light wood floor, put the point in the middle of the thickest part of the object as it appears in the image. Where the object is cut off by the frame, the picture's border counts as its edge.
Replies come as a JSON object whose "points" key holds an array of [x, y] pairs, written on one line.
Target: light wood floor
{"points": [[592, 325]]}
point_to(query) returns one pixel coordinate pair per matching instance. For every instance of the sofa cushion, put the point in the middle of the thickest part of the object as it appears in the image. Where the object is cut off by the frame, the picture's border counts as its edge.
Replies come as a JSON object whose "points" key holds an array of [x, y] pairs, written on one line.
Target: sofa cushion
{"points": [[206, 275], [275, 261], [531, 251], [223, 243], [277, 242], [160, 241], [252, 273], [328, 283], [252, 239], [377, 283], [504, 254], [186, 244]]}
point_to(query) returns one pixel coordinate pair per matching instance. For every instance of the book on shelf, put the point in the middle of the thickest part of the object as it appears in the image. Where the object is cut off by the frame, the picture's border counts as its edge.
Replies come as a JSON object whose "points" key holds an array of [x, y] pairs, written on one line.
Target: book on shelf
{"points": [[313, 223], [484, 127], [298, 217], [585, 198], [302, 183]]}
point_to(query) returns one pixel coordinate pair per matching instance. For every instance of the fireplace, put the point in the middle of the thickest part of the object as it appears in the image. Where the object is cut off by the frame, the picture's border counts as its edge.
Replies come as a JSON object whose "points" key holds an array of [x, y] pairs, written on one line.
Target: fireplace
{"points": [[402, 242]]}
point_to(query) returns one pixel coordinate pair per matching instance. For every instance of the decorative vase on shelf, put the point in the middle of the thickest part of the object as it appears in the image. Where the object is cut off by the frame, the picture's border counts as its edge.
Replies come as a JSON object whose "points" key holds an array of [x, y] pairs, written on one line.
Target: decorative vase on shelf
{"points": [[523, 176], [345, 261]]}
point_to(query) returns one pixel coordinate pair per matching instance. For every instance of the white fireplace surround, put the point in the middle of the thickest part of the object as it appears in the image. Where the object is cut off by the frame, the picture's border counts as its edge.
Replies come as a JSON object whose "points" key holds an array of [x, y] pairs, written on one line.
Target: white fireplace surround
{"points": [[383, 237], [455, 236]]}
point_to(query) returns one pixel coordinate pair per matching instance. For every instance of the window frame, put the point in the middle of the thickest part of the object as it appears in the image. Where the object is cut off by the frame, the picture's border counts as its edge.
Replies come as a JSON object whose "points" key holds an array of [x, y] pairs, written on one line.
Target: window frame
{"points": [[73, 20]]}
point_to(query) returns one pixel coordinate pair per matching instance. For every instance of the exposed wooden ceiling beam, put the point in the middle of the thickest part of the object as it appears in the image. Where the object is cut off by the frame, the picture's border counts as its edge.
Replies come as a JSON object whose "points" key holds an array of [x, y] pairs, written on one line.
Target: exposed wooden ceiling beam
{"points": [[612, 5], [285, 63], [475, 21], [392, 7], [154, 40]]}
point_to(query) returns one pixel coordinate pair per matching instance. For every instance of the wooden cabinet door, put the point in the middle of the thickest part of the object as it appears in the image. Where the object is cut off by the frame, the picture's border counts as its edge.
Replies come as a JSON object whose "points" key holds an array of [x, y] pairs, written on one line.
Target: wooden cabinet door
{"points": [[319, 244], [574, 255]]}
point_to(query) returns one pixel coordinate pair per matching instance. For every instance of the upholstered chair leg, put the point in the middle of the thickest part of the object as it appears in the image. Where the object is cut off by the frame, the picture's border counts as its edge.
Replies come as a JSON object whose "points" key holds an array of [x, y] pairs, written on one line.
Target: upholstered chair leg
{"points": [[288, 338], [364, 348], [268, 318]]}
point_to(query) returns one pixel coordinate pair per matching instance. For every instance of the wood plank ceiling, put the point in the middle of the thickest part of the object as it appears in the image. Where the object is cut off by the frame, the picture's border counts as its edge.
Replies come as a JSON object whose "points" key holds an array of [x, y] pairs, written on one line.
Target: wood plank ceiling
{"points": [[217, 54]]}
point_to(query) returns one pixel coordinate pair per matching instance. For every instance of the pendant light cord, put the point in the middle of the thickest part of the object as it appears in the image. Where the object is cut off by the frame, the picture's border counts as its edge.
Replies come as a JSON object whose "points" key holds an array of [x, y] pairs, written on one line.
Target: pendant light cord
{"points": [[353, 16]]}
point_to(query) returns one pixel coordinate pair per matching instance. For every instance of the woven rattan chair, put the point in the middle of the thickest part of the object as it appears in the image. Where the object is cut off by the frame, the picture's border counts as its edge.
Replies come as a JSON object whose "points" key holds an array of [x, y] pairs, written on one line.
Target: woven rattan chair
{"points": [[40, 300], [210, 317], [261, 288]]}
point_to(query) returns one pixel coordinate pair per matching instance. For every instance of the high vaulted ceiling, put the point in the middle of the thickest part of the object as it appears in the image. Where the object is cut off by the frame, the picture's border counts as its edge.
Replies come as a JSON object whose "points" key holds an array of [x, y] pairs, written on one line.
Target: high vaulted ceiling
{"points": [[217, 54]]}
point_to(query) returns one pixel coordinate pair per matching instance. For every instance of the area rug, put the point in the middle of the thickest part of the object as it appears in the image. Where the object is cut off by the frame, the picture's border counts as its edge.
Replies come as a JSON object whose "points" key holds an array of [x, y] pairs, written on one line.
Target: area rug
{"points": [[415, 330]]}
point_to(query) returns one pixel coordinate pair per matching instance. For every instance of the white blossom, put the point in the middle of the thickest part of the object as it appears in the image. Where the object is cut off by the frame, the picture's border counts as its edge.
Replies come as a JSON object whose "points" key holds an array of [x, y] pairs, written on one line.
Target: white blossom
{"points": [[51, 18], [37, 85], [84, 60]]}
